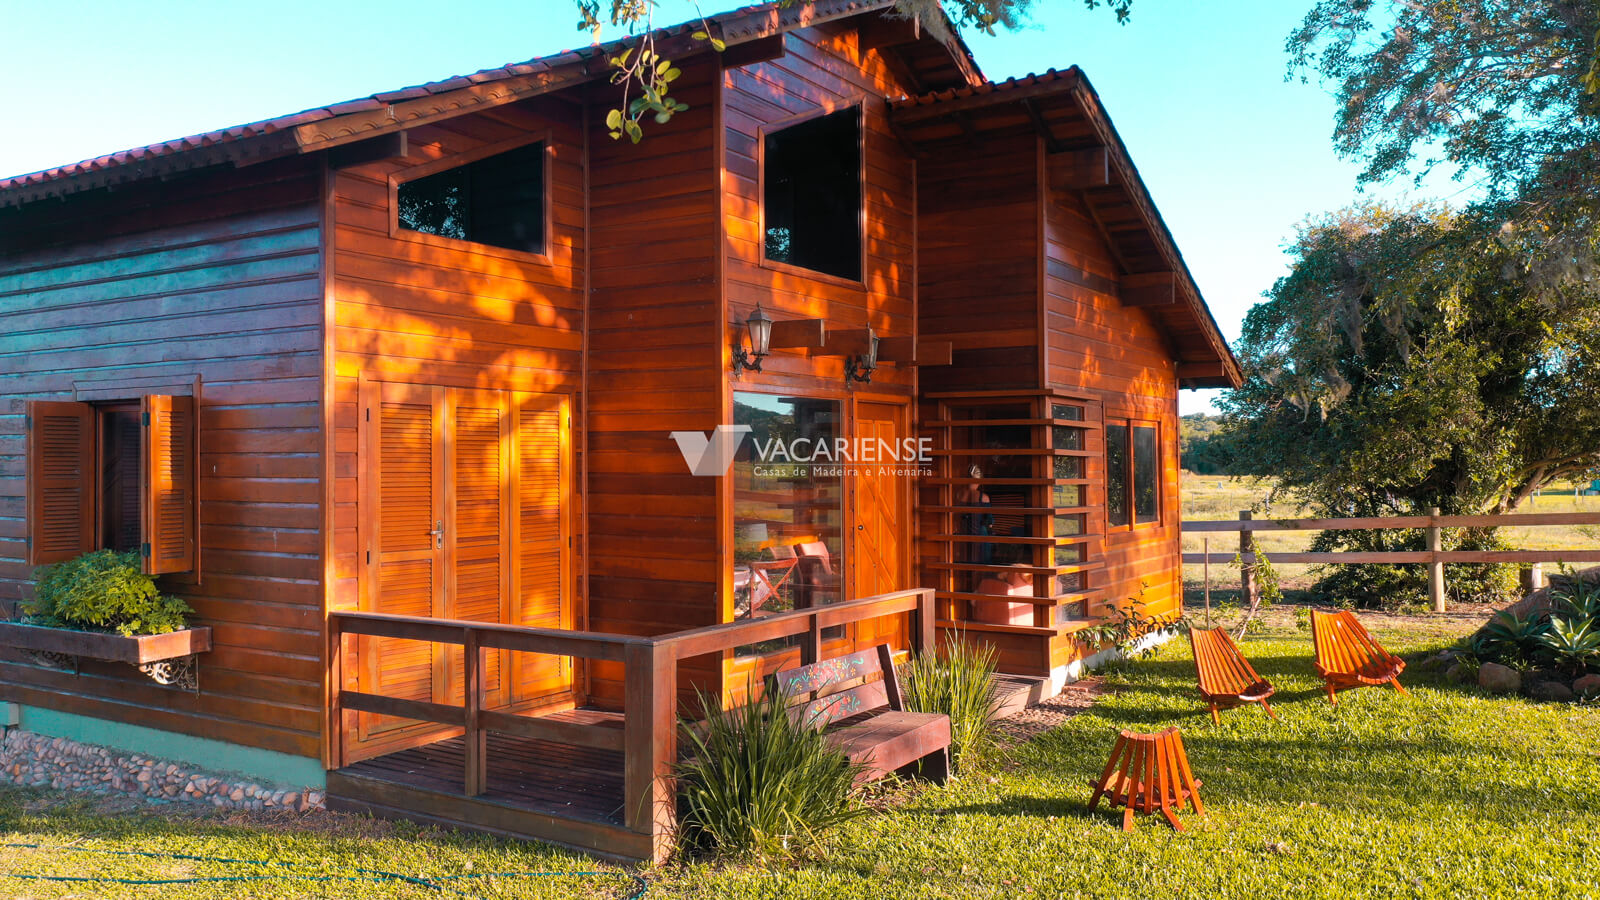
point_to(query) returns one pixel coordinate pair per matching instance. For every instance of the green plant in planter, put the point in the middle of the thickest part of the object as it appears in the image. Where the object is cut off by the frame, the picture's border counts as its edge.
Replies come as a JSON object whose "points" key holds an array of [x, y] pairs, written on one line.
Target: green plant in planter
{"points": [[1575, 645], [104, 591]]}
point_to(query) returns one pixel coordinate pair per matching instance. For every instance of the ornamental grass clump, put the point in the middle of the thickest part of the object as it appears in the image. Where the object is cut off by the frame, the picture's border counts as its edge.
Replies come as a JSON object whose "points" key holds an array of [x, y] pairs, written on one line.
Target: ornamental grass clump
{"points": [[104, 591], [758, 783], [957, 681]]}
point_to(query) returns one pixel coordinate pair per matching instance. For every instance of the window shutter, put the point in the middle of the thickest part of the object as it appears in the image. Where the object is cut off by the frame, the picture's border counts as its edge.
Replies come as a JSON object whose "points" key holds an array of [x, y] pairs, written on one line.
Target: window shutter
{"points": [[169, 484], [60, 481]]}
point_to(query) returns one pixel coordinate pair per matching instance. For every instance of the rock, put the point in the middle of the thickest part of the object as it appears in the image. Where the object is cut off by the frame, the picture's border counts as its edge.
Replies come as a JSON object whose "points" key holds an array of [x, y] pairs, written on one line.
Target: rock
{"points": [[1460, 673], [1499, 679], [1550, 691], [1587, 686]]}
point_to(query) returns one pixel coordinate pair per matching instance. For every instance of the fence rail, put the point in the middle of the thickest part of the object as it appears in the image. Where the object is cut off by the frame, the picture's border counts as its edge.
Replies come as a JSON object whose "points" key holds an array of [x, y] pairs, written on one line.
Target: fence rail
{"points": [[1435, 557], [648, 738]]}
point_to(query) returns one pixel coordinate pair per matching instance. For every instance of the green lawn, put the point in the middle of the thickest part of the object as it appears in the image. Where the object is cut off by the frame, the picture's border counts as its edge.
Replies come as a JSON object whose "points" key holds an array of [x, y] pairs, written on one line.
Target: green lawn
{"points": [[1445, 793]]}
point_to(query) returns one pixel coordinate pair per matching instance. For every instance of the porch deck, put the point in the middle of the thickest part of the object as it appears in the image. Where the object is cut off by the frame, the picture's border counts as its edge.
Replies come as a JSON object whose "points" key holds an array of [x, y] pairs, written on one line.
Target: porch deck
{"points": [[535, 789]]}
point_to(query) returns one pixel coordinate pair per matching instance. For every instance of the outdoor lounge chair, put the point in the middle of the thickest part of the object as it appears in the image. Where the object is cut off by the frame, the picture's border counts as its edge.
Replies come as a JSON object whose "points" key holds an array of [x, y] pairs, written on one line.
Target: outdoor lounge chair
{"points": [[1348, 657], [1225, 676]]}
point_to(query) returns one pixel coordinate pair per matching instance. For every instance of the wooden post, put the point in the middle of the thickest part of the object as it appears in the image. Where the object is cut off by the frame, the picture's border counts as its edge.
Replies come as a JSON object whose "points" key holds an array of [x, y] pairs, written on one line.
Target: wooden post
{"points": [[1247, 569], [1532, 578], [1205, 549], [922, 637], [477, 750], [811, 641], [650, 742], [335, 663], [1435, 568]]}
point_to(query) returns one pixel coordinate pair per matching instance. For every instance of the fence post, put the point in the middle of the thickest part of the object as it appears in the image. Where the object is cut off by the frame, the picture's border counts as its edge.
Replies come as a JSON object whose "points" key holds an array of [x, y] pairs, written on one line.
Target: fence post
{"points": [[1532, 578], [650, 741], [477, 750], [1247, 568], [1435, 567]]}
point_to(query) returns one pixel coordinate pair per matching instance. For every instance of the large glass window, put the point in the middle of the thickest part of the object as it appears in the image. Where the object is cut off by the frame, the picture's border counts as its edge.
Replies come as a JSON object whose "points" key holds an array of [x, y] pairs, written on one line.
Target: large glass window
{"points": [[812, 194], [787, 507], [498, 200]]}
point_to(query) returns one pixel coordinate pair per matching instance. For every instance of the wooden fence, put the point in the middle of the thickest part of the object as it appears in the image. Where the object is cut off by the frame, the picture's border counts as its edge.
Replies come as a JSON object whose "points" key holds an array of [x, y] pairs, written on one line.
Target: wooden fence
{"points": [[1435, 557]]}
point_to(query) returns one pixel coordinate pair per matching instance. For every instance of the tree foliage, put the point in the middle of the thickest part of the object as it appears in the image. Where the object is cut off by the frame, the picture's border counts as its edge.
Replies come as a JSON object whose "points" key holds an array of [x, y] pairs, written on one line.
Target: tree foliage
{"points": [[1202, 446], [644, 77]]}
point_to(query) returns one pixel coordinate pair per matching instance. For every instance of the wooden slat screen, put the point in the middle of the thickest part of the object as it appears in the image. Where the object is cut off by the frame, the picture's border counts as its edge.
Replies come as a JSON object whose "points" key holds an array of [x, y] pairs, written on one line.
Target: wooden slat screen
{"points": [[542, 580], [169, 484], [60, 481]]}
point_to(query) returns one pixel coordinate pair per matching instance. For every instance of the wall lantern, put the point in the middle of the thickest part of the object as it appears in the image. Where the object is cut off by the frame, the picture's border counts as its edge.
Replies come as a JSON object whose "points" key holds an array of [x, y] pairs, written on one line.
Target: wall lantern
{"points": [[861, 366], [760, 327]]}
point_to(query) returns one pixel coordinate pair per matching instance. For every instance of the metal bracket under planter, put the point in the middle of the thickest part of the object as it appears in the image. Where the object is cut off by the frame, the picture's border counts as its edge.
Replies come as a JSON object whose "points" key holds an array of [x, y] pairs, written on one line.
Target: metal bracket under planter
{"points": [[167, 659]]}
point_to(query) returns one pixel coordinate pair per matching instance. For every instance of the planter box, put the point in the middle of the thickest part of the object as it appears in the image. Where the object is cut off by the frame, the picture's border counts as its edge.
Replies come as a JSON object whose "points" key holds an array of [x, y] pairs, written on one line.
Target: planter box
{"points": [[138, 650]]}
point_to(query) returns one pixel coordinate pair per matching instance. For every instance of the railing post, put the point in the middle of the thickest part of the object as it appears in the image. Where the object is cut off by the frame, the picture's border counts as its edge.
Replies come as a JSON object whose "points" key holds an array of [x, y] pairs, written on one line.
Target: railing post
{"points": [[811, 641], [477, 775], [922, 636], [650, 742], [336, 724], [1435, 567], [1247, 561]]}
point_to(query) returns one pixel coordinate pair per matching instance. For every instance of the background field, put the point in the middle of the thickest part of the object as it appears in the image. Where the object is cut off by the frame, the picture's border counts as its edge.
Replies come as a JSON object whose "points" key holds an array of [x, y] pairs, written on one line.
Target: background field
{"points": [[1219, 497]]}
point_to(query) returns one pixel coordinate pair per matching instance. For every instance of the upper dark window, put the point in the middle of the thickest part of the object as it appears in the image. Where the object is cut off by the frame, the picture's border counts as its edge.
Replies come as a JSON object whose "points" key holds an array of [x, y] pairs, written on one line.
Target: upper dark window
{"points": [[812, 196], [498, 200]]}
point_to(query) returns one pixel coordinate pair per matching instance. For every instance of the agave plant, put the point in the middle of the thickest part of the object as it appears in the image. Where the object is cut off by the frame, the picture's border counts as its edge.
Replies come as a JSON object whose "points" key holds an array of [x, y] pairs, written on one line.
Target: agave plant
{"points": [[1510, 639], [1579, 601], [757, 782], [1574, 644]]}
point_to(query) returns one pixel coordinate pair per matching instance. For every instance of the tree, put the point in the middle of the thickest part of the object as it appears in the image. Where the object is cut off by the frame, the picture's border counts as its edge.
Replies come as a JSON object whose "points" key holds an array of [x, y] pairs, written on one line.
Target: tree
{"points": [[1201, 448], [645, 77], [1410, 360]]}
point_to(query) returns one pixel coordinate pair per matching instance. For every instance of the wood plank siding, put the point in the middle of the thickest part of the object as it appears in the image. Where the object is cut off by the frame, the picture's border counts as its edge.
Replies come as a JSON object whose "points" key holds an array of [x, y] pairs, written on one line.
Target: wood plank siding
{"points": [[1095, 345], [214, 276], [452, 315], [655, 324]]}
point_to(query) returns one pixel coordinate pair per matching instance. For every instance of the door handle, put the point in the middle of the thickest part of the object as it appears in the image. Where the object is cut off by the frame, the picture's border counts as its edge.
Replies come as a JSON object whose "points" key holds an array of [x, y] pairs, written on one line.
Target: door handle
{"points": [[438, 535]]}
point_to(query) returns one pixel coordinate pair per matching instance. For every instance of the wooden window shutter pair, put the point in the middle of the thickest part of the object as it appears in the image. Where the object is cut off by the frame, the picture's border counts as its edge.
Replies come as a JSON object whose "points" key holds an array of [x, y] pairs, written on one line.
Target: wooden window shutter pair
{"points": [[62, 482]]}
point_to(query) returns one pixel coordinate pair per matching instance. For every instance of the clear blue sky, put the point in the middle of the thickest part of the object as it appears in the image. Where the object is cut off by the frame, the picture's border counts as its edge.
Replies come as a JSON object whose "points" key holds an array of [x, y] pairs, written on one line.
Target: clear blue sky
{"points": [[1234, 155]]}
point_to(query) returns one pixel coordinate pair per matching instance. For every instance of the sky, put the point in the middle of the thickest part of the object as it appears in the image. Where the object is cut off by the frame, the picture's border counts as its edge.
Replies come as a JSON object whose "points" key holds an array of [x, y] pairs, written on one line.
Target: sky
{"points": [[1234, 154]]}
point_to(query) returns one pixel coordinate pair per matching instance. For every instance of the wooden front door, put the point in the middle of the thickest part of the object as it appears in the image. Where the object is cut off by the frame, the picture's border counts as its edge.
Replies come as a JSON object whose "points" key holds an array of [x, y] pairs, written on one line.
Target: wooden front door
{"points": [[880, 530], [465, 517]]}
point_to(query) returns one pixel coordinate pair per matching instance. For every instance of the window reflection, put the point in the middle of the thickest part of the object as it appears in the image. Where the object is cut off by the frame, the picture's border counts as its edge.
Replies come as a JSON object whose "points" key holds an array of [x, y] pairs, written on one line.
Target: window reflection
{"points": [[788, 509]]}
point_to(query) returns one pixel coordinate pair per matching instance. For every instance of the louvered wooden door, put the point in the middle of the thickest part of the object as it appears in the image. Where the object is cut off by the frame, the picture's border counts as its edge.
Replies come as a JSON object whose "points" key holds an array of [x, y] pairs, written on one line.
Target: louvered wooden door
{"points": [[467, 511]]}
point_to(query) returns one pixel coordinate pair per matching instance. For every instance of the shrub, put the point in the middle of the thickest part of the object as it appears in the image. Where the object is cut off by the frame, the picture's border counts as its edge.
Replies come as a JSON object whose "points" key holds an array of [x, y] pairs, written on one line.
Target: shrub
{"points": [[104, 591], [1510, 640], [756, 781], [957, 681], [1573, 644]]}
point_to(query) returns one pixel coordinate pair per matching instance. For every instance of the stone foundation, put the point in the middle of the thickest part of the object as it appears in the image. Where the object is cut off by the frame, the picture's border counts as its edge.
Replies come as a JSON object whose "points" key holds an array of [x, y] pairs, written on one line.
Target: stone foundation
{"points": [[36, 760]]}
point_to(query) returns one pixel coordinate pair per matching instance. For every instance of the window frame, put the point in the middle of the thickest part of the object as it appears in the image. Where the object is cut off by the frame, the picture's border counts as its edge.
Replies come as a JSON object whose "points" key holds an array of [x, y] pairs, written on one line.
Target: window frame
{"points": [[97, 404], [828, 108], [467, 157], [1130, 423]]}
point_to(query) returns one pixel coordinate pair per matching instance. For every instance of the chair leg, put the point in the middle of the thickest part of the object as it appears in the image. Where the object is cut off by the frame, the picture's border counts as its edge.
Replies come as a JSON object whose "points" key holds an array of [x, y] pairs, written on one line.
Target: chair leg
{"points": [[1127, 819], [1172, 818], [1396, 683], [1215, 719], [1332, 698], [1268, 707]]}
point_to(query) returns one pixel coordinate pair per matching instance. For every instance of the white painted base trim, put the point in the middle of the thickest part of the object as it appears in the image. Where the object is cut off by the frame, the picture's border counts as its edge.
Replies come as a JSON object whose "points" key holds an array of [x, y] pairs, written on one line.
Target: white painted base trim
{"points": [[1061, 676]]}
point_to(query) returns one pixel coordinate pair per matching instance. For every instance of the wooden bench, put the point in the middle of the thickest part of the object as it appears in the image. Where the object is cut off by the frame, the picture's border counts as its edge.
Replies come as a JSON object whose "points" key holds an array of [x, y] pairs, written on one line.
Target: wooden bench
{"points": [[867, 719]]}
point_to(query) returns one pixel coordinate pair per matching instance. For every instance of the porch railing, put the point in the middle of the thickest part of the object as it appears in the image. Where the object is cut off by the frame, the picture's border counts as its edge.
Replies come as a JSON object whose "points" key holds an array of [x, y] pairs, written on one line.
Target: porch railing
{"points": [[648, 738], [1434, 557]]}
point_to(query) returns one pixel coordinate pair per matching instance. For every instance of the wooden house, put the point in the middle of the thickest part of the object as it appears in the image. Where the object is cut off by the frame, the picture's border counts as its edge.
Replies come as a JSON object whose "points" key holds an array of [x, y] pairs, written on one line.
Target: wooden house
{"points": [[420, 357]]}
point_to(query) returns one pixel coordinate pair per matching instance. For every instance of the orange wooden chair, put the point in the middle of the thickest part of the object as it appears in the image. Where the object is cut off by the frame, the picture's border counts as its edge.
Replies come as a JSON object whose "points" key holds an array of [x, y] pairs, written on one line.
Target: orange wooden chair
{"points": [[1148, 773], [1225, 676], [1348, 657]]}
